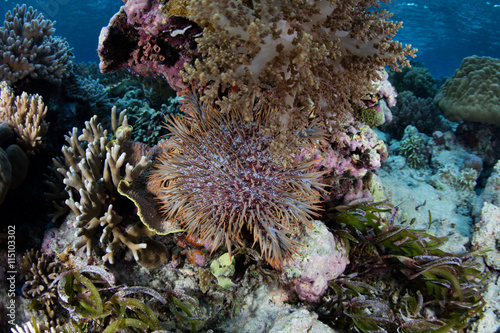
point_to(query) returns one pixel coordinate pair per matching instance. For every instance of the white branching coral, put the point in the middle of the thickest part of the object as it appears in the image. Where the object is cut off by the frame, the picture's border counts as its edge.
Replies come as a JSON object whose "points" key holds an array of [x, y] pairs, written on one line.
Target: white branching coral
{"points": [[25, 114], [28, 49], [93, 167]]}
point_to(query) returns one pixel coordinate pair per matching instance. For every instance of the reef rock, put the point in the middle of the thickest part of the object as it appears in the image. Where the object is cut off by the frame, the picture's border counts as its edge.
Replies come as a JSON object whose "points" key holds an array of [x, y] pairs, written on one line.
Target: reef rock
{"points": [[322, 258]]}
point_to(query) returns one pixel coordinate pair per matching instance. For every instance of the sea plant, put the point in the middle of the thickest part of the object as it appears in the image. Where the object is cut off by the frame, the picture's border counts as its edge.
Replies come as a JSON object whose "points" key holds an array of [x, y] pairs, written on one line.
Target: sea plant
{"points": [[399, 279], [94, 303]]}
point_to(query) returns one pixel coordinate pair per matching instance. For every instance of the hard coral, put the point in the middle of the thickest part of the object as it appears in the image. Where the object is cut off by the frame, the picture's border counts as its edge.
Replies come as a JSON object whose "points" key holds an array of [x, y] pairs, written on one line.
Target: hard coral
{"points": [[29, 51], [93, 168], [25, 114], [217, 178], [473, 92]]}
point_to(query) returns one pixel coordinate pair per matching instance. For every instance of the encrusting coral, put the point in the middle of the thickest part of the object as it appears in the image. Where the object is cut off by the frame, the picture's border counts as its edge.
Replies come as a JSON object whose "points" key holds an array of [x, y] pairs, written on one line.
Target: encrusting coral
{"points": [[29, 51], [216, 178]]}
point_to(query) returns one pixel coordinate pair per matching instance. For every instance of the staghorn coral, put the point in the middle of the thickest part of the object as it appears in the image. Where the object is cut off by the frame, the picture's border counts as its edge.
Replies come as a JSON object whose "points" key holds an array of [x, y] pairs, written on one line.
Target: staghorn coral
{"points": [[25, 115], [29, 51], [216, 178], [93, 167]]}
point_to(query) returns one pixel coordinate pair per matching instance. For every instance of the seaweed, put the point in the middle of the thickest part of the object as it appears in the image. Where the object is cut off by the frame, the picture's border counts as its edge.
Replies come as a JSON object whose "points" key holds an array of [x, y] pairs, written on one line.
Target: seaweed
{"points": [[94, 303], [398, 278]]}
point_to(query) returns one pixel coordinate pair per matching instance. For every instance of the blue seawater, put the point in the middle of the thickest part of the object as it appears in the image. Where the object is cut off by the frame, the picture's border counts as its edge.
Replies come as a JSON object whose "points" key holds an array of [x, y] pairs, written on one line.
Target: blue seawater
{"points": [[443, 31]]}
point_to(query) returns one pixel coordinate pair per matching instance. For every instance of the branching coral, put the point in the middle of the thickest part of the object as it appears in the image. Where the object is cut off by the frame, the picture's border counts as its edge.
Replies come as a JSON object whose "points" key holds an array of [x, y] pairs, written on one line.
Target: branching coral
{"points": [[25, 115], [40, 270], [217, 178], [93, 167], [29, 51]]}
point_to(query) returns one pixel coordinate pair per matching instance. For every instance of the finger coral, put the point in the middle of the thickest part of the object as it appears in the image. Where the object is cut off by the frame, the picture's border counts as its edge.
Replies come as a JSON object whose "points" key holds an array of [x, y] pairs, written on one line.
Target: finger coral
{"points": [[93, 167], [25, 115], [29, 51], [217, 179]]}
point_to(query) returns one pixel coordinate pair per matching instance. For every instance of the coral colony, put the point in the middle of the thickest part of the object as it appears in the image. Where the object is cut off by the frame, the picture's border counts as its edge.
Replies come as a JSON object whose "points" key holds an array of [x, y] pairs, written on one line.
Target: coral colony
{"points": [[272, 148]]}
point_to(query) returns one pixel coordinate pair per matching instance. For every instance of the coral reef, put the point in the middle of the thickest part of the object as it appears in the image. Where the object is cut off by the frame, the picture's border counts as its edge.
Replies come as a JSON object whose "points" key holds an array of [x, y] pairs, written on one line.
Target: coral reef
{"points": [[347, 163], [473, 92], [295, 55], [417, 111], [28, 49], [416, 79], [413, 147], [141, 37], [216, 178]]}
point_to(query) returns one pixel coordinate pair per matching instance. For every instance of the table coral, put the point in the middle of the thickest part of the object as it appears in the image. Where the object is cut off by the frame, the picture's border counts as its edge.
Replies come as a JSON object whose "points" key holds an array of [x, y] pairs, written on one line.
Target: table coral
{"points": [[28, 49]]}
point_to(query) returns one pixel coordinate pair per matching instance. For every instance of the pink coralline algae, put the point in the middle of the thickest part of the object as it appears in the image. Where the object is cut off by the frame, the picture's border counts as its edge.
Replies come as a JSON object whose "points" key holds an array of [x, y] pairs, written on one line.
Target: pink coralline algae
{"points": [[322, 259], [347, 162], [142, 38]]}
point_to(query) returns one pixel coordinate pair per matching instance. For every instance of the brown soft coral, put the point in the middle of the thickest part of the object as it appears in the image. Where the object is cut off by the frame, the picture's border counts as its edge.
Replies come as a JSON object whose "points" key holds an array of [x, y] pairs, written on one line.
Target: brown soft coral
{"points": [[300, 55]]}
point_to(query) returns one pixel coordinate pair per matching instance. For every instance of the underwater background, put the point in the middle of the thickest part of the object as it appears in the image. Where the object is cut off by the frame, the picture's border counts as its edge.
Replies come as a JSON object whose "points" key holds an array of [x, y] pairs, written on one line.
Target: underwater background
{"points": [[372, 209], [444, 33]]}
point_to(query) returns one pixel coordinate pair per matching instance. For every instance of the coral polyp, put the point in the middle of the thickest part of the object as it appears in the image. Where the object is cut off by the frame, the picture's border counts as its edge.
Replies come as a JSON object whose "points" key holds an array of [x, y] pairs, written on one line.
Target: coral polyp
{"points": [[218, 180]]}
